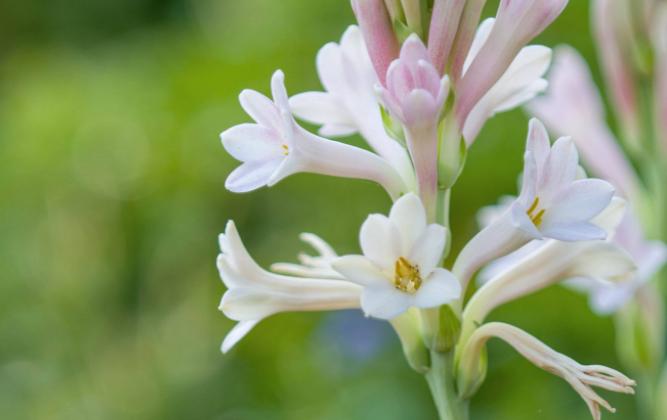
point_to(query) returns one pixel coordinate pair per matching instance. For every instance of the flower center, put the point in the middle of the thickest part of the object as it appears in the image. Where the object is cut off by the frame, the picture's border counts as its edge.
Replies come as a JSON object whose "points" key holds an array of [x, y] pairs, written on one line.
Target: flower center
{"points": [[535, 213], [406, 276], [285, 149]]}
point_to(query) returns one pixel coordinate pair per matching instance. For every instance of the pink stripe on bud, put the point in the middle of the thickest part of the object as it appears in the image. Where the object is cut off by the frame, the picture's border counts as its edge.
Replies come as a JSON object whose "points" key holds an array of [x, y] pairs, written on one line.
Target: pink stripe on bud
{"points": [[444, 25], [466, 33], [378, 32]]}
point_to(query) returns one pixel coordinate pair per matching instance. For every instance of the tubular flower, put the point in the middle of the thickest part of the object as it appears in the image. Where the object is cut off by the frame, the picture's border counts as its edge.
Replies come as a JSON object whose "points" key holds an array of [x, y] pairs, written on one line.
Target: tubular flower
{"points": [[276, 147], [254, 294], [553, 203], [582, 378], [399, 268], [312, 266], [349, 104]]}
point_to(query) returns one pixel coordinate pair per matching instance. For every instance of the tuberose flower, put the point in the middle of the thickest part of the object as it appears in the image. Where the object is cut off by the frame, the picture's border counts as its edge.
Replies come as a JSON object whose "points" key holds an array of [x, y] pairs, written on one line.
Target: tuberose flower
{"points": [[582, 378], [399, 268], [553, 203], [276, 147], [350, 103], [254, 294]]}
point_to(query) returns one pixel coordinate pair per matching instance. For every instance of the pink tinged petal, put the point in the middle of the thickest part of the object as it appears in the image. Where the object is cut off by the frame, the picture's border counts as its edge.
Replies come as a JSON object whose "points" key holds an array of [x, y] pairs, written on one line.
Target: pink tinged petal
{"points": [[427, 77], [360, 270], [239, 331], [252, 175], [614, 53], [319, 108], [420, 107], [252, 142], [409, 216], [574, 231], [560, 168], [517, 22], [378, 33], [464, 37], [427, 250], [581, 201], [538, 142], [442, 31], [380, 241], [399, 80], [413, 50], [384, 302], [261, 109], [439, 288]]}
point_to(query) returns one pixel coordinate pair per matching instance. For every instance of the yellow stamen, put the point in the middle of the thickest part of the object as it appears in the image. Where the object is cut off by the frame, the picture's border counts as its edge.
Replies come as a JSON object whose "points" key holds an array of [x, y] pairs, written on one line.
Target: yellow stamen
{"points": [[285, 149], [535, 218], [406, 276]]}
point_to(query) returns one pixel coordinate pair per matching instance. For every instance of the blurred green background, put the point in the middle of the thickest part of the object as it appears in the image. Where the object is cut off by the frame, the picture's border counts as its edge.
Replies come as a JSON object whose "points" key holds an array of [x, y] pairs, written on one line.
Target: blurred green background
{"points": [[112, 196]]}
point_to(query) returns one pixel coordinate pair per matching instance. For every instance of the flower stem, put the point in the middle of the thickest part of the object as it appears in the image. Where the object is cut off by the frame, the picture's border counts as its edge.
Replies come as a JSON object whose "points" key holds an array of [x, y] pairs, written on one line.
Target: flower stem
{"points": [[442, 384]]}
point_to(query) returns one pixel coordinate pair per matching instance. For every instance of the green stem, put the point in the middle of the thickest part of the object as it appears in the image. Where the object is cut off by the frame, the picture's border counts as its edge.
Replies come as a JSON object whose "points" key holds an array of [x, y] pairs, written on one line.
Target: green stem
{"points": [[442, 384]]}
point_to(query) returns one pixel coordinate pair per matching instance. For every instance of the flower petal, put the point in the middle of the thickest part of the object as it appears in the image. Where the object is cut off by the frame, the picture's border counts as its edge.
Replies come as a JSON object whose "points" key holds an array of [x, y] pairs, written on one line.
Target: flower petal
{"points": [[240, 330], [384, 302], [359, 269], [577, 231], [251, 142], [439, 288], [260, 108], [251, 175], [409, 216], [427, 250], [580, 201], [538, 141], [560, 168], [319, 108], [380, 241]]}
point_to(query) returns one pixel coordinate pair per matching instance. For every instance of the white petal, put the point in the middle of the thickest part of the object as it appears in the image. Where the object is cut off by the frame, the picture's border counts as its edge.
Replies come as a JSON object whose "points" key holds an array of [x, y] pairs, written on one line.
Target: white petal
{"points": [[439, 288], [329, 66], [385, 302], [409, 216], [336, 130], [359, 269], [251, 142], [278, 91], [528, 179], [319, 108], [560, 169], [236, 334], [260, 108], [538, 141], [251, 175], [380, 241], [522, 222], [576, 231], [427, 250], [580, 201]]}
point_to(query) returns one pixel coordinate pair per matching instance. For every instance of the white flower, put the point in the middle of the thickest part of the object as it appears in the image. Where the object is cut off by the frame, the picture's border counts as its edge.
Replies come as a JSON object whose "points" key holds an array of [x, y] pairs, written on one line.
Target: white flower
{"points": [[276, 147], [254, 294], [553, 204], [582, 378], [399, 268], [552, 261], [573, 107], [521, 82], [349, 104]]}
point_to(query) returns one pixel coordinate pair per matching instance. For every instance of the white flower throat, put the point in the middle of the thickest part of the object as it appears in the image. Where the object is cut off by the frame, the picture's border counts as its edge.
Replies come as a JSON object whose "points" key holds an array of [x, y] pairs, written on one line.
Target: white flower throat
{"points": [[534, 213], [406, 276]]}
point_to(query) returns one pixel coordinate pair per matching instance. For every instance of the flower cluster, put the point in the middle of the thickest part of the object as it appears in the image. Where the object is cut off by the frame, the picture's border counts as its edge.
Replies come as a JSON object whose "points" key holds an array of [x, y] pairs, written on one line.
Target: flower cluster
{"points": [[418, 84]]}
